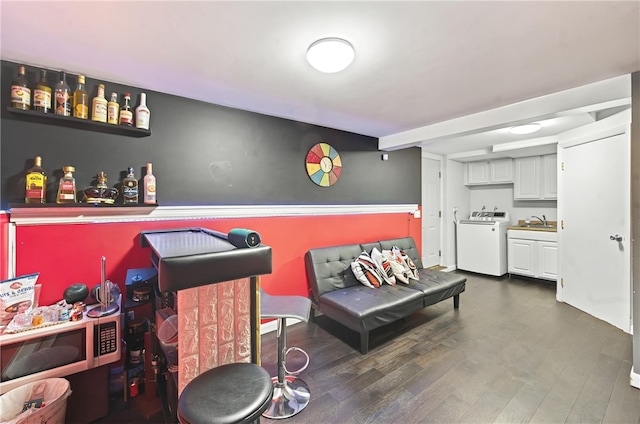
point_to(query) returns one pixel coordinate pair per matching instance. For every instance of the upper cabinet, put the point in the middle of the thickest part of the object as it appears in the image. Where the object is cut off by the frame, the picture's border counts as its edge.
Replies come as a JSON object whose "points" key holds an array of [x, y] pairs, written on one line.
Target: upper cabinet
{"points": [[489, 172], [536, 178]]}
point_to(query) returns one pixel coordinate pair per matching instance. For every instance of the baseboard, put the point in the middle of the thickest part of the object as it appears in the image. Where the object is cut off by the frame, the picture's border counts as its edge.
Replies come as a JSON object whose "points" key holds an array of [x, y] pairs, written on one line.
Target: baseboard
{"points": [[449, 268], [270, 326], [634, 379]]}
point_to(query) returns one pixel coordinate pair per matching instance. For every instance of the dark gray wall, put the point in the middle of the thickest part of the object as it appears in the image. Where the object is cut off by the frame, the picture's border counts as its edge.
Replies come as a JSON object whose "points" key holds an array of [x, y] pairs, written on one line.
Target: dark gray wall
{"points": [[203, 154]]}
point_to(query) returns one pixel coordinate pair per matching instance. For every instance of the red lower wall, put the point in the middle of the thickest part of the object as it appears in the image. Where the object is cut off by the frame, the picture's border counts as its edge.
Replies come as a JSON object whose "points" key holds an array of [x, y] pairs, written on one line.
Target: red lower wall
{"points": [[4, 245], [65, 254]]}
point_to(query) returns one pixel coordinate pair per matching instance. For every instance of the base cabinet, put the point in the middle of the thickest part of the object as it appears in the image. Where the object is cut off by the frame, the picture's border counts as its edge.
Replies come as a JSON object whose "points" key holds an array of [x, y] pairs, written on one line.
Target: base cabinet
{"points": [[532, 254]]}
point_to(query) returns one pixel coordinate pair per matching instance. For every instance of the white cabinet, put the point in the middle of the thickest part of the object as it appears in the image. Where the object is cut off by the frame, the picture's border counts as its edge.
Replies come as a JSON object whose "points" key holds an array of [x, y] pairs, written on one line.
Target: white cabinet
{"points": [[536, 178], [533, 253], [498, 171]]}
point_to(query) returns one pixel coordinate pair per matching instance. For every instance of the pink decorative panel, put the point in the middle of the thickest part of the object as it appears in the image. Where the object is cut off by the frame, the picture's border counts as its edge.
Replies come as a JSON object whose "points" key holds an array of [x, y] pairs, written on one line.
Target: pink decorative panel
{"points": [[214, 328]]}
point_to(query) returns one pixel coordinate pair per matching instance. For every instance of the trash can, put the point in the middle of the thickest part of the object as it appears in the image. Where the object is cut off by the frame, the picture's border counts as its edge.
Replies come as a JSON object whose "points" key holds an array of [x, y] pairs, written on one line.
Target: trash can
{"points": [[43, 401]]}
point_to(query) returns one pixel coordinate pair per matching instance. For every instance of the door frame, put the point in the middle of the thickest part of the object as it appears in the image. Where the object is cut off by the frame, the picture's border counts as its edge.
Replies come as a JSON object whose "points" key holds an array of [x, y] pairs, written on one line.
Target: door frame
{"points": [[612, 126]]}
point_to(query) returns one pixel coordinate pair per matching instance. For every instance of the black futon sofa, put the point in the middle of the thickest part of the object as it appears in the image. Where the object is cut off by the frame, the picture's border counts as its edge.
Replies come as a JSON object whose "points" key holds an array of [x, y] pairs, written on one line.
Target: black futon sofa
{"points": [[339, 295]]}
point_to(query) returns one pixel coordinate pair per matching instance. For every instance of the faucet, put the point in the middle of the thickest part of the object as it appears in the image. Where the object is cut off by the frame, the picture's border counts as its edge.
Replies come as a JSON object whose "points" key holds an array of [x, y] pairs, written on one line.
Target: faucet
{"points": [[543, 219]]}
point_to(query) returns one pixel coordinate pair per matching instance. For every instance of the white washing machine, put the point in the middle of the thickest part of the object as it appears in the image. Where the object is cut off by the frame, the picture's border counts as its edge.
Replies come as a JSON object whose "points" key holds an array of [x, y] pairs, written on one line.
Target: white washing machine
{"points": [[482, 243]]}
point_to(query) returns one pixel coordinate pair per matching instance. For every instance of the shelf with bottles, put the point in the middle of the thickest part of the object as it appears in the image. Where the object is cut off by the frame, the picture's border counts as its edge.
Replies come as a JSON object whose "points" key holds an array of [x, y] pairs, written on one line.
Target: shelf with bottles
{"points": [[85, 124], [79, 205]]}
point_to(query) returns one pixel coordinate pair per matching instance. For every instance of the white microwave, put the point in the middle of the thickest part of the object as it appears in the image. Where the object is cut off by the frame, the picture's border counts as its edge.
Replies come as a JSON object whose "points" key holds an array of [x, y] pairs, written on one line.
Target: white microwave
{"points": [[58, 350]]}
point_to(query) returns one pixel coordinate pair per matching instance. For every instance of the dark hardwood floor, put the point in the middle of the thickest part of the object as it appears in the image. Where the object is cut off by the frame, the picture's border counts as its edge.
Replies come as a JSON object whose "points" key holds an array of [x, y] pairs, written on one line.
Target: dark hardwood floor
{"points": [[510, 354]]}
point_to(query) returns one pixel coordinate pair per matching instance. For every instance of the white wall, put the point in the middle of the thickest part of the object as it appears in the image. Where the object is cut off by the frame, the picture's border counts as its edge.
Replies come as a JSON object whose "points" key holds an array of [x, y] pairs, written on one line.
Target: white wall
{"points": [[501, 196]]}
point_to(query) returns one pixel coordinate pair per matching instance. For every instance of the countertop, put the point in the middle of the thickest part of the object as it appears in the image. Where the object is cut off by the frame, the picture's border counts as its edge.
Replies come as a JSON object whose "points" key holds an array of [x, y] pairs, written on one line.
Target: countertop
{"points": [[535, 226]]}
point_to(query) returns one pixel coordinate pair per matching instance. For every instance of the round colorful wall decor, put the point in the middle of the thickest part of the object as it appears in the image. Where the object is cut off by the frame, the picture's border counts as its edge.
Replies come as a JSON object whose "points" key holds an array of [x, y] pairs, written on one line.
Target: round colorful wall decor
{"points": [[323, 165]]}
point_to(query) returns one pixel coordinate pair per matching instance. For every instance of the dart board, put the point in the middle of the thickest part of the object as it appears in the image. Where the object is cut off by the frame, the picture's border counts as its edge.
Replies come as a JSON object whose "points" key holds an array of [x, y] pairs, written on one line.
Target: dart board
{"points": [[323, 165]]}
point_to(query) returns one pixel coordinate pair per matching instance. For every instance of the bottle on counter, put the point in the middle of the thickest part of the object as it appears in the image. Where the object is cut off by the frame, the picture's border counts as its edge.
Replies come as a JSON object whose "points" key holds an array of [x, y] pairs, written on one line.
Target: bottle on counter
{"points": [[42, 94], [126, 115], [36, 183], [81, 100], [113, 109], [63, 96], [67, 186], [149, 186], [130, 188], [99, 107], [143, 115], [20, 91]]}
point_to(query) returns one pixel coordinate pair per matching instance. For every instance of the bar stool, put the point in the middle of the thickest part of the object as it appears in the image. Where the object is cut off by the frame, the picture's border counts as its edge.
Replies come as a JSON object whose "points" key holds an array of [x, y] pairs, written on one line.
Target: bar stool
{"points": [[229, 394], [290, 394]]}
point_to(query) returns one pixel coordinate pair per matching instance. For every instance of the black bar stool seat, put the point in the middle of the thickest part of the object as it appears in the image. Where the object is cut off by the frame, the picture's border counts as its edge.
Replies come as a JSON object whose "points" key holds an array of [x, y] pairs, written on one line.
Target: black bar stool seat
{"points": [[229, 394]]}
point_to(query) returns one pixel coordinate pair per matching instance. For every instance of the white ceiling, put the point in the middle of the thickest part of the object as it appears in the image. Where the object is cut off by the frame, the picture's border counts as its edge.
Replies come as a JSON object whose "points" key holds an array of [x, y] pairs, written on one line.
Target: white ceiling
{"points": [[417, 63]]}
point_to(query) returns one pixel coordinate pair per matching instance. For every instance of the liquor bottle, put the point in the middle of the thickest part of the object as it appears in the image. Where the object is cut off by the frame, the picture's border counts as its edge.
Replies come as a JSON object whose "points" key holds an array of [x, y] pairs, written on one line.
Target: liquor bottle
{"points": [[113, 109], [36, 183], [63, 96], [99, 109], [143, 115], [67, 186], [100, 193], [42, 94], [20, 91], [80, 100], [149, 186], [130, 188], [126, 115]]}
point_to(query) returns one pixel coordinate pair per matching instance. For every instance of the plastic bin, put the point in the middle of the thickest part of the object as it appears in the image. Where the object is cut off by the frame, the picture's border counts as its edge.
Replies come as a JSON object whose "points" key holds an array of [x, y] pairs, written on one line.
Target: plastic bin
{"points": [[54, 392]]}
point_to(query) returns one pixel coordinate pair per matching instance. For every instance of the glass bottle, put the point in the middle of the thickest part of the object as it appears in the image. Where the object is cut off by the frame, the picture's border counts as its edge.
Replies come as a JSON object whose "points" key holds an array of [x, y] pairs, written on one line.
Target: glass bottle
{"points": [[143, 115], [113, 109], [149, 186], [20, 91], [126, 115], [99, 109], [67, 186], [63, 96], [130, 188], [81, 100], [42, 94], [100, 193], [36, 183]]}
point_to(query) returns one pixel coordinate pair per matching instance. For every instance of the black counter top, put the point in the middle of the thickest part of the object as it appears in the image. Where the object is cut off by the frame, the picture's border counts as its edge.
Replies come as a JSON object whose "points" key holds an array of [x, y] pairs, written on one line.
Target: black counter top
{"points": [[192, 257]]}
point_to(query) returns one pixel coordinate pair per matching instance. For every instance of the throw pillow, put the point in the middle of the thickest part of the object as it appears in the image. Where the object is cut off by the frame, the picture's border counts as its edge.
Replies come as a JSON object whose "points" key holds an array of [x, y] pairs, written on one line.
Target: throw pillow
{"points": [[384, 266], [366, 271], [408, 264], [396, 266]]}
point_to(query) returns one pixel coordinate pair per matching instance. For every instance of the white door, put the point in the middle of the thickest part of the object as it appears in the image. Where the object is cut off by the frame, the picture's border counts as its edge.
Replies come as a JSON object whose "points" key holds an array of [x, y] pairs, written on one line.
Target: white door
{"points": [[431, 212], [595, 201], [521, 257]]}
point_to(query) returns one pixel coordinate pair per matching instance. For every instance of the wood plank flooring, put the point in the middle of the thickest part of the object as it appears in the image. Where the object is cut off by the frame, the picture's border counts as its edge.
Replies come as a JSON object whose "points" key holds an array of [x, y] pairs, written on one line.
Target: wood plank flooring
{"points": [[510, 354]]}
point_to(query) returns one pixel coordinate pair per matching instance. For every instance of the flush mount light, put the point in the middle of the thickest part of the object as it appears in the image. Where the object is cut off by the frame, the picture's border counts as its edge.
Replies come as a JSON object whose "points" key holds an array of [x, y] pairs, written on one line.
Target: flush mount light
{"points": [[330, 55], [525, 129]]}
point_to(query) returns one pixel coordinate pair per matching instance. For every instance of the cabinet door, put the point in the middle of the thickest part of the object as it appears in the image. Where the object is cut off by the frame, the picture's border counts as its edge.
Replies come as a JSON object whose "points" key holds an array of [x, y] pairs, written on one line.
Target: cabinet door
{"points": [[549, 177], [526, 181], [477, 173], [547, 260], [501, 170], [521, 257]]}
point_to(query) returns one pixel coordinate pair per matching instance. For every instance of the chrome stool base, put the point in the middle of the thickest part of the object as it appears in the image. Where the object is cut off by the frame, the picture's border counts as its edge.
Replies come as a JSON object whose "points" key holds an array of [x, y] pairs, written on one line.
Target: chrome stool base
{"points": [[288, 398]]}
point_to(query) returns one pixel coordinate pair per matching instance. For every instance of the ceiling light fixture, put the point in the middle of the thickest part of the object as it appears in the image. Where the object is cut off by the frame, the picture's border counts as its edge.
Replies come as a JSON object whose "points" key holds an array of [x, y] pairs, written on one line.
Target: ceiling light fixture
{"points": [[525, 129], [330, 55]]}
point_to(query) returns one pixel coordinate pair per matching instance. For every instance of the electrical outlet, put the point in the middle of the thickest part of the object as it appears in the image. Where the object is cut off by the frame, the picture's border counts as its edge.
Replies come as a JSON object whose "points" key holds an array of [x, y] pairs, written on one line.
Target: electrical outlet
{"points": [[416, 213]]}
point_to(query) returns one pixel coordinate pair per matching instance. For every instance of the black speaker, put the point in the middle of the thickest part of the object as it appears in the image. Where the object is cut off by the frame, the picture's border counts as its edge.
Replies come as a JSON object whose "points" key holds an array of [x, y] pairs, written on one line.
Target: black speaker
{"points": [[241, 237]]}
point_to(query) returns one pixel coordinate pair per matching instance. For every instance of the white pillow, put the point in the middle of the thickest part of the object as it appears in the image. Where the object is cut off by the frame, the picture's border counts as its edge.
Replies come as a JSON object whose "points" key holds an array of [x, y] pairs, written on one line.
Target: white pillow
{"points": [[408, 264], [366, 271], [384, 266], [396, 266]]}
